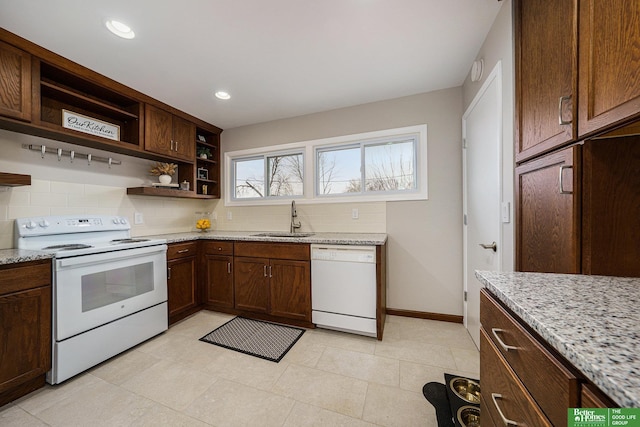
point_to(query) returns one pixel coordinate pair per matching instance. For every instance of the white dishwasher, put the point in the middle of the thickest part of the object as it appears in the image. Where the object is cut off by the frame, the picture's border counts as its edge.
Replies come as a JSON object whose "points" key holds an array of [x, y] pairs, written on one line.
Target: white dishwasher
{"points": [[343, 288]]}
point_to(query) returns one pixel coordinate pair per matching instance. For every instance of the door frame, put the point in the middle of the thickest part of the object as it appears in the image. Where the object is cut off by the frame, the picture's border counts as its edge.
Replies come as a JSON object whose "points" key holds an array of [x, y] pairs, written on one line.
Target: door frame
{"points": [[496, 74]]}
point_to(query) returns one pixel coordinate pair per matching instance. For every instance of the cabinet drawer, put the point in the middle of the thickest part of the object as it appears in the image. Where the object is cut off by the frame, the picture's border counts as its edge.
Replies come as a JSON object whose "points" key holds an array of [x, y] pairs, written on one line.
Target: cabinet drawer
{"points": [[551, 384], [592, 397], [23, 276], [293, 251], [218, 248], [503, 395], [182, 250]]}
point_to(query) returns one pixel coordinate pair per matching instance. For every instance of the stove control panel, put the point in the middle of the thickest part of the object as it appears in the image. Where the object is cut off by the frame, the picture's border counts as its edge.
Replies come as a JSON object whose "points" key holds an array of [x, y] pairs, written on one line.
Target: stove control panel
{"points": [[49, 225]]}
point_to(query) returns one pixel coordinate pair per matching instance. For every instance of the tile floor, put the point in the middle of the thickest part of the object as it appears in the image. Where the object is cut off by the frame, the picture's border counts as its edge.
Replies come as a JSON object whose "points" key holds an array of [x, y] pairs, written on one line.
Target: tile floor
{"points": [[327, 379]]}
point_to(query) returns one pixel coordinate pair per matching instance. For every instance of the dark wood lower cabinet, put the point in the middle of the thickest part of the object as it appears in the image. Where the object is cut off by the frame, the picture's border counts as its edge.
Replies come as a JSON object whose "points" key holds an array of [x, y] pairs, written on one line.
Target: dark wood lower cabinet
{"points": [[183, 295], [251, 284], [217, 274], [290, 289], [25, 328]]}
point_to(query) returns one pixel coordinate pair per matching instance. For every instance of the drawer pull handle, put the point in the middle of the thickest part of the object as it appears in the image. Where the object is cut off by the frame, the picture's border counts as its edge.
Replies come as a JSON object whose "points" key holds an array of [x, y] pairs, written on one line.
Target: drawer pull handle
{"points": [[265, 270], [183, 251], [270, 274], [560, 179], [169, 273], [228, 268], [506, 347], [507, 422]]}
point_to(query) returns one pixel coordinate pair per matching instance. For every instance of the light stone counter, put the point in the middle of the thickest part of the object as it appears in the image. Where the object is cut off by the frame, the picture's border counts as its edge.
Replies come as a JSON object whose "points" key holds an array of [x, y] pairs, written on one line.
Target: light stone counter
{"points": [[14, 256], [322, 238], [593, 321]]}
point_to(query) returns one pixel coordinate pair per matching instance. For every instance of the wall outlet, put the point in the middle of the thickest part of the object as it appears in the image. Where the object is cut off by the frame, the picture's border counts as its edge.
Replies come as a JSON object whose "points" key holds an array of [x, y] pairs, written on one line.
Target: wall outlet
{"points": [[138, 218], [215, 215], [355, 214], [229, 216]]}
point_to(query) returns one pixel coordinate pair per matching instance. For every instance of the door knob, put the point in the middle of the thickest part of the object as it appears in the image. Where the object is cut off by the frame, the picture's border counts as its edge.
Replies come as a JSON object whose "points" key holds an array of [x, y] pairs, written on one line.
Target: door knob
{"points": [[492, 246]]}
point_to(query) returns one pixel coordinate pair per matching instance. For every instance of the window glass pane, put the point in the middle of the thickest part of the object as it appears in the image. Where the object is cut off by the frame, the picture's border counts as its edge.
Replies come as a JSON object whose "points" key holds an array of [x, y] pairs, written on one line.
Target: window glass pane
{"points": [[390, 166], [249, 178], [285, 175], [338, 171]]}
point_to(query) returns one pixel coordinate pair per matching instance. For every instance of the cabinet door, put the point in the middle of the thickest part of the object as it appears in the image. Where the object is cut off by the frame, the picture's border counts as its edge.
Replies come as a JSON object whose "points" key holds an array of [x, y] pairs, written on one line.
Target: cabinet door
{"points": [[184, 139], [15, 76], [290, 289], [158, 131], [251, 284], [181, 283], [548, 213], [546, 75], [609, 57], [25, 334], [219, 280]]}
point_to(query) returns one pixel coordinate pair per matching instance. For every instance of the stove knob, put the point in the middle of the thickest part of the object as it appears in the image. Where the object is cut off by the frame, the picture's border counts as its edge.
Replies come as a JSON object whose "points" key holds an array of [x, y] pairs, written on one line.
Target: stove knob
{"points": [[123, 221], [44, 223], [115, 220], [31, 225]]}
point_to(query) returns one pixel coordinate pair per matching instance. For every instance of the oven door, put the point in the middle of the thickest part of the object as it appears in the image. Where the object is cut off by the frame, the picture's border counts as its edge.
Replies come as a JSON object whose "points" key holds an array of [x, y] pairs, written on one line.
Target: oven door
{"points": [[92, 290]]}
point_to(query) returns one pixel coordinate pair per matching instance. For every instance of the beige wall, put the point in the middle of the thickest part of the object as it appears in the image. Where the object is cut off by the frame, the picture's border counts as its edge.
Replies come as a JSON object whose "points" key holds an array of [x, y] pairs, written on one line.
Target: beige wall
{"points": [[425, 237], [498, 46]]}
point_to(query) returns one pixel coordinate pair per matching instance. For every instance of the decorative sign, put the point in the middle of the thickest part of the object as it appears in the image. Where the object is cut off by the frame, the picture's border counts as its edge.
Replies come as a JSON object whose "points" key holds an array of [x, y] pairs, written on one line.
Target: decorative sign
{"points": [[75, 121]]}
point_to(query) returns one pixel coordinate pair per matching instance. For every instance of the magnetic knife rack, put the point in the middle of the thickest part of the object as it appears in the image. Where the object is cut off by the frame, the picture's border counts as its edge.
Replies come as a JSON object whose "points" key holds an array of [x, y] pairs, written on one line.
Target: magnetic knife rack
{"points": [[72, 154]]}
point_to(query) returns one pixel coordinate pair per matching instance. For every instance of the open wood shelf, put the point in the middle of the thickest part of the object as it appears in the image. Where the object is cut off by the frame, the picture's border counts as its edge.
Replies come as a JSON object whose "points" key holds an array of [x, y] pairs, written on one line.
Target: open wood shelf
{"points": [[166, 192], [14, 179]]}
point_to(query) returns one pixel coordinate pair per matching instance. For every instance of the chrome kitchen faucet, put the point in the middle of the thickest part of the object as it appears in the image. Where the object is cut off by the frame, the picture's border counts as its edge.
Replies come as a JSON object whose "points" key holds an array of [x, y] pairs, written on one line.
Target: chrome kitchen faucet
{"points": [[294, 214]]}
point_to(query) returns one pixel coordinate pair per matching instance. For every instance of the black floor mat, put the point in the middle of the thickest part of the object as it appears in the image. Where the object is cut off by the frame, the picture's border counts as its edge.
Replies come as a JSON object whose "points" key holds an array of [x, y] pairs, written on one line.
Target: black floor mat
{"points": [[436, 394]]}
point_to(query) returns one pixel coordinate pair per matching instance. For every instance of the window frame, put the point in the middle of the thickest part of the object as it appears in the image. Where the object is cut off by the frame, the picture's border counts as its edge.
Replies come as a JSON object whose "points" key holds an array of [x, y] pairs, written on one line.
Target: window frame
{"points": [[308, 149]]}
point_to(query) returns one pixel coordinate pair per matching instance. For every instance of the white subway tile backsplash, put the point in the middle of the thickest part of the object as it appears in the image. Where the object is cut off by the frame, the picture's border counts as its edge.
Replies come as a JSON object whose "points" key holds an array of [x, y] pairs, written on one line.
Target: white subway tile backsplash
{"points": [[169, 215]]}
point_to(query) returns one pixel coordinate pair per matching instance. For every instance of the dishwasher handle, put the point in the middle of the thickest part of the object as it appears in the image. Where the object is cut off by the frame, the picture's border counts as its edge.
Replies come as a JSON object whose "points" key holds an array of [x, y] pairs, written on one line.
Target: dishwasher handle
{"points": [[343, 253]]}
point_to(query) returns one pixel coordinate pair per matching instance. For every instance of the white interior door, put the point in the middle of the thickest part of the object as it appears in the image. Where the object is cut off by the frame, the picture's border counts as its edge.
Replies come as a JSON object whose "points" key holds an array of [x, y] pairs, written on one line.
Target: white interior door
{"points": [[482, 133]]}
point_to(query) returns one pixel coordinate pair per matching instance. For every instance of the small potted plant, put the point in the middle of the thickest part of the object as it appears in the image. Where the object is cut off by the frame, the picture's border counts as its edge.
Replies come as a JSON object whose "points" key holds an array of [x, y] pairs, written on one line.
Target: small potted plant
{"points": [[164, 171], [204, 152]]}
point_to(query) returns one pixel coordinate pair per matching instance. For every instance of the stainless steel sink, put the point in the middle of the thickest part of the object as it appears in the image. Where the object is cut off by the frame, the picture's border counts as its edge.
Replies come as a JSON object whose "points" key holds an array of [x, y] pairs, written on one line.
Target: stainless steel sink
{"points": [[283, 234]]}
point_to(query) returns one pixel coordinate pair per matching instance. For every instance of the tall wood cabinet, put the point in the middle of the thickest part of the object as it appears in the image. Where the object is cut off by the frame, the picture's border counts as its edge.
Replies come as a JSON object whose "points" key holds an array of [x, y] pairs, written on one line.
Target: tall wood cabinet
{"points": [[577, 148], [25, 327], [15, 75]]}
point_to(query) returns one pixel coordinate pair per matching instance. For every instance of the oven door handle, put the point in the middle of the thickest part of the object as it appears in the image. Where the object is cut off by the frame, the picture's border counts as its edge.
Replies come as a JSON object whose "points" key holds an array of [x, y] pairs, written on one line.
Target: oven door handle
{"points": [[106, 257]]}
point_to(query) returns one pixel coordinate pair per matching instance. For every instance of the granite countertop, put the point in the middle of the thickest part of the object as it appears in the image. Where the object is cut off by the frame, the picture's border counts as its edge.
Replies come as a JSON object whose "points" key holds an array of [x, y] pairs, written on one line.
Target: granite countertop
{"points": [[593, 321], [321, 238], [14, 256]]}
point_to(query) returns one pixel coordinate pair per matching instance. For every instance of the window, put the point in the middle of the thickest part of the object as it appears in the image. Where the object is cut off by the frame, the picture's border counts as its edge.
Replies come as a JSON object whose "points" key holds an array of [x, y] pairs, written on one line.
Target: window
{"points": [[284, 176], [374, 166], [370, 166]]}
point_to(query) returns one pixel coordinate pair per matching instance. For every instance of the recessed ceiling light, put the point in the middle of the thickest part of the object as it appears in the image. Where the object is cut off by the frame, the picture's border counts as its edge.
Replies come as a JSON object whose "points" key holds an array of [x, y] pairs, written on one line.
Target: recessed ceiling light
{"points": [[120, 29], [222, 95]]}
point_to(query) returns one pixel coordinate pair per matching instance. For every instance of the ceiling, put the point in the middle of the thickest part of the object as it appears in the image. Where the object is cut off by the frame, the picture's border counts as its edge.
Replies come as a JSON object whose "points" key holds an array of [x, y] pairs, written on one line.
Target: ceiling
{"points": [[277, 58]]}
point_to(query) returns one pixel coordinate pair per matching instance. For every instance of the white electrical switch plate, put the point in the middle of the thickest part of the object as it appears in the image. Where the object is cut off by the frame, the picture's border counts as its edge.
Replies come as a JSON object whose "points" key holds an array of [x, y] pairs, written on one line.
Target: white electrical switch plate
{"points": [[506, 212], [229, 215], [215, 215], [355, 214], [138, 218]]}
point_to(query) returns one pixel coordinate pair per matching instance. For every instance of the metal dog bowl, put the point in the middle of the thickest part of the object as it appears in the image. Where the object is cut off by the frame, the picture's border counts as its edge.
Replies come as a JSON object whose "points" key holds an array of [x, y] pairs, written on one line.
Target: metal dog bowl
{"points": [[469, 416], [468, 390]]}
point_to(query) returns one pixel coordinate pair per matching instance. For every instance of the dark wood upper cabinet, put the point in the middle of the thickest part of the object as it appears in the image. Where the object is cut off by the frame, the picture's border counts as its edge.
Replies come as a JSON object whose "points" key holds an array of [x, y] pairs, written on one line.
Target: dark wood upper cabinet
{"points": [[546, 75], [15, 83], [609, 54], [169, 135], [548, 213]]}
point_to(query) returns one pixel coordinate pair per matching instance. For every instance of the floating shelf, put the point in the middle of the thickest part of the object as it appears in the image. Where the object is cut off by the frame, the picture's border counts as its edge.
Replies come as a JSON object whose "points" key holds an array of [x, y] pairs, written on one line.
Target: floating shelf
{"points": [[167, 192], [14, 179]]}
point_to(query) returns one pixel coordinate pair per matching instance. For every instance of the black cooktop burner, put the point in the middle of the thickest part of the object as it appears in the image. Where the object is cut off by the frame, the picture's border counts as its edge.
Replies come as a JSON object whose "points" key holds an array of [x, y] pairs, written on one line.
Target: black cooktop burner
{"points": [[69, 247], [115, 242]]}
